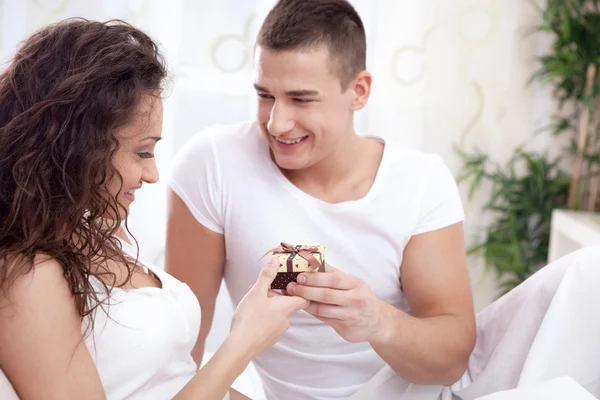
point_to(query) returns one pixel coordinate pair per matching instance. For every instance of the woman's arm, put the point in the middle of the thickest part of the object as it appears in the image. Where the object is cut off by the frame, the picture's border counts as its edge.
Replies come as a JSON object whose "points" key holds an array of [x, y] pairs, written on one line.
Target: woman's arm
{"points": [[43, 354], [259, 321], [219, 373], [41, 345]]}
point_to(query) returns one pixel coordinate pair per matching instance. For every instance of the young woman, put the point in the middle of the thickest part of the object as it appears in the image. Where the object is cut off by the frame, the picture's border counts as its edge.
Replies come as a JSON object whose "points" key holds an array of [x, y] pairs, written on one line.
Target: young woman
{"points": [[82, 316]]}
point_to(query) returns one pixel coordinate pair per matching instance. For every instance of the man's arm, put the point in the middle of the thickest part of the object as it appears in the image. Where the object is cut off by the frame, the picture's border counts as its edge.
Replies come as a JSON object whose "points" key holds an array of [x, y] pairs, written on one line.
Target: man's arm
{"points": [[195, 255], [431, 346]]}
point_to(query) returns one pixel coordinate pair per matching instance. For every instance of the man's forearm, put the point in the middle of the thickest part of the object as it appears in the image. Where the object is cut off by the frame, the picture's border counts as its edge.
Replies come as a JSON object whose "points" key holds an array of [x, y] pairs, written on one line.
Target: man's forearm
{"points": [[432, 350]]}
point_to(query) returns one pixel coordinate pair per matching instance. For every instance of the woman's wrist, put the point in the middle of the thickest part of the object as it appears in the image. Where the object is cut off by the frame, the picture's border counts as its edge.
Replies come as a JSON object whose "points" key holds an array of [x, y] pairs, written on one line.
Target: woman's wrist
{"points": [[238, 349]]}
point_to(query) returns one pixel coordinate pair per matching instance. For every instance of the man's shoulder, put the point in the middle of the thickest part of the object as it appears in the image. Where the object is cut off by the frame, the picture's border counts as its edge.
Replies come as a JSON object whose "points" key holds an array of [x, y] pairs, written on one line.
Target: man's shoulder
{"points": [[414, 162], [222, 144]]}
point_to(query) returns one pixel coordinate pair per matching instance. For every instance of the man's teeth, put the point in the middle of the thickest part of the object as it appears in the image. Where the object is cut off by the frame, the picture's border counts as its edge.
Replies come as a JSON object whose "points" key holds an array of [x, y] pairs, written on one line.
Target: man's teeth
{"points": [[290, 141]]}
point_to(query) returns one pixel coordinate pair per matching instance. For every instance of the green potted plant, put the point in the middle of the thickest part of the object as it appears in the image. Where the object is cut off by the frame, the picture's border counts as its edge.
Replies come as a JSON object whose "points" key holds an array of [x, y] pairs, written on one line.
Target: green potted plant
{"points": [[516, 242], [530, 185]]}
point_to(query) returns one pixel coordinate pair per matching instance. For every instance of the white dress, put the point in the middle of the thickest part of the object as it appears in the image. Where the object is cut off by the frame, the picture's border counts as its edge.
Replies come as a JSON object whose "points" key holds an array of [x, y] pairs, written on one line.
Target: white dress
{"points": [[142, 348]]}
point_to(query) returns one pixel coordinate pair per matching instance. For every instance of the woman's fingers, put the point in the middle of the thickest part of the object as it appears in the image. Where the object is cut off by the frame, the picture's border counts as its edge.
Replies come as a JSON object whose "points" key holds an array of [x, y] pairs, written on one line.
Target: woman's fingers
{"points": [[267, 276]]}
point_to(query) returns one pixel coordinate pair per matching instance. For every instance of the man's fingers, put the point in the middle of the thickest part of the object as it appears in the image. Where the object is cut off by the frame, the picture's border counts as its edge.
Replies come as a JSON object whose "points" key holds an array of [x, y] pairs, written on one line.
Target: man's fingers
{"points": [[293, 303], [267, 275], [327, 311], [321, 294], [334, 279]]}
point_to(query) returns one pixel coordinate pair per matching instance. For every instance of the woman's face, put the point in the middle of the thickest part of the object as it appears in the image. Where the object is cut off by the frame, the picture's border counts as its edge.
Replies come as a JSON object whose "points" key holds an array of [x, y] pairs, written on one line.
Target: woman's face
{"points": [[135, 158]]}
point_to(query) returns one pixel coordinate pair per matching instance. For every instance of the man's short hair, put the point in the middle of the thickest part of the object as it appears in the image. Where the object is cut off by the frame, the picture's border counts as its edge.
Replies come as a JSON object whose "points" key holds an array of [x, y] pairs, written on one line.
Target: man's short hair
{"points": [[307, 24]]}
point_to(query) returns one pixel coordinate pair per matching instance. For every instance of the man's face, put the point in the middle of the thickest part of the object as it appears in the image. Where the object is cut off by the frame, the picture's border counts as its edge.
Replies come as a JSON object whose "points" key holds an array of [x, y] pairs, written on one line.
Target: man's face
{"points": [[302, 110]]}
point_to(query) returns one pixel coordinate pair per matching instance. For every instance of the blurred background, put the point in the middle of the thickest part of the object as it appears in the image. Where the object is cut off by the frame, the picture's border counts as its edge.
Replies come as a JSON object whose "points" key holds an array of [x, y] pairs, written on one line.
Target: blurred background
{"points": [[452, 77]]}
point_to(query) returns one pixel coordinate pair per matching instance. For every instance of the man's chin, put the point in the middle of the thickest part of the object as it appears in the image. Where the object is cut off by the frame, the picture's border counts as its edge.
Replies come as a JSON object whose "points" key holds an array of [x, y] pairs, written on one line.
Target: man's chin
{"points": [[289, 163]]}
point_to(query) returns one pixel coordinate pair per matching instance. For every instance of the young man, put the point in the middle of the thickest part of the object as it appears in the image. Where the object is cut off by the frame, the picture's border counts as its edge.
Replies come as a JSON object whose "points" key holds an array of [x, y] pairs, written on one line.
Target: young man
{"points": [[390, 218]]}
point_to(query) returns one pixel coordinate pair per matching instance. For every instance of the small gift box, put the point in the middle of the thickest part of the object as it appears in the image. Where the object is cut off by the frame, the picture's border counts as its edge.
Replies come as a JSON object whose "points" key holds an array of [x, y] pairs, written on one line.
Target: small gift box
{"points": [[294, 260]]}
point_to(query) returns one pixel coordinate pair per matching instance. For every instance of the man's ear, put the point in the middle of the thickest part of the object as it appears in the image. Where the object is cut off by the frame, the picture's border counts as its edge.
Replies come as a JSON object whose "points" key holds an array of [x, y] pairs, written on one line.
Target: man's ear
{"points": [[361, 90]]}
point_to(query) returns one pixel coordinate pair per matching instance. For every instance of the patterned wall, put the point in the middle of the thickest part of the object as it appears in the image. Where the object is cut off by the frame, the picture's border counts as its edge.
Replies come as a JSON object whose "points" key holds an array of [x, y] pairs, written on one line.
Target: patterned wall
{"points": [[446, 72]]}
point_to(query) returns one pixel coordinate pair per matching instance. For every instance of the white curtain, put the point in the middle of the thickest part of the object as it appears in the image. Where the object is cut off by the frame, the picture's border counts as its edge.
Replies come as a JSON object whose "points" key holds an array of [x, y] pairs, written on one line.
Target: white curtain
{"points": [[445, 72]]}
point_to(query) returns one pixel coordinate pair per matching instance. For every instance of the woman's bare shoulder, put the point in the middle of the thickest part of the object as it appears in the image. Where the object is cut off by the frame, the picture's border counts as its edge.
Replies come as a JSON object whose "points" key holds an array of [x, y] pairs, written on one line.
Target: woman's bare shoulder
{"points": [[30, 280]]}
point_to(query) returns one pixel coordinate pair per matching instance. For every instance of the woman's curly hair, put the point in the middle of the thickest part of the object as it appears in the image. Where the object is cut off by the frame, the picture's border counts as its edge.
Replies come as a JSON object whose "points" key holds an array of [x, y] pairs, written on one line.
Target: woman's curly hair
{"points": [[70, 86]]}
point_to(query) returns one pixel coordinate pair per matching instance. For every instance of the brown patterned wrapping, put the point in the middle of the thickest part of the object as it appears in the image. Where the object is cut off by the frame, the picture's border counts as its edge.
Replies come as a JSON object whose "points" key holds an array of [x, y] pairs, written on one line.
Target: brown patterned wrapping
{"points": [[294, 260]]}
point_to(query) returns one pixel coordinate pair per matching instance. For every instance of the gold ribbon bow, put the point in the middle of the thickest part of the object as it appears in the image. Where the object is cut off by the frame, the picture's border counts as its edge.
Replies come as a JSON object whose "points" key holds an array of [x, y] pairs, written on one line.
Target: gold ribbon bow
{"points": [[301, 250]]}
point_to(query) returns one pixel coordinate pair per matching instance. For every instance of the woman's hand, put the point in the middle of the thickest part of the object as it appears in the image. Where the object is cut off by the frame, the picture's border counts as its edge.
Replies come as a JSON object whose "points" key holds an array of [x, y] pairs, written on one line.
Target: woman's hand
{"points": [[260, 319], [263, 315]]}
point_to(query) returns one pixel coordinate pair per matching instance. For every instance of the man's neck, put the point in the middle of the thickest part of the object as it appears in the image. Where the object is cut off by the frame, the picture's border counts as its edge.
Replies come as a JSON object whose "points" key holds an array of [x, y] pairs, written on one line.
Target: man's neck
{"points": [[346, 175], [334, 170]]}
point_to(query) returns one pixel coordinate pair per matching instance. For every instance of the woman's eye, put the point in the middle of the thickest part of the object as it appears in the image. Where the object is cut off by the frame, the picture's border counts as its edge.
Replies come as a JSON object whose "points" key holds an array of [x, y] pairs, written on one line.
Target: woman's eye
{"points": [[145, 155]]}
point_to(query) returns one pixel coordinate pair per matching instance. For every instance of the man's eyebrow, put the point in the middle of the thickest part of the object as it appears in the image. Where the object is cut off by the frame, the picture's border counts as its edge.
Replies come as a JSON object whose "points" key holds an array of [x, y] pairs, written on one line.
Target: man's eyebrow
{"points": [[260, 88], [291, 93], [301, 93]]}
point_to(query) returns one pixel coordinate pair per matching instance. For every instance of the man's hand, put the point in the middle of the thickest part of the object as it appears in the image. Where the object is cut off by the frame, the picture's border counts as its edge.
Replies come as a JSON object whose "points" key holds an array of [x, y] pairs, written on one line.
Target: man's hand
{"points": [[342, 301]]}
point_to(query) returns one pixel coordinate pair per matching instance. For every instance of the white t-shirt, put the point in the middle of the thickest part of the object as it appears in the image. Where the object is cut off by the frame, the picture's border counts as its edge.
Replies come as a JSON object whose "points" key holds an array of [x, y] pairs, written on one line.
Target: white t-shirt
{"points": [[142, 349], [230, 184]]}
